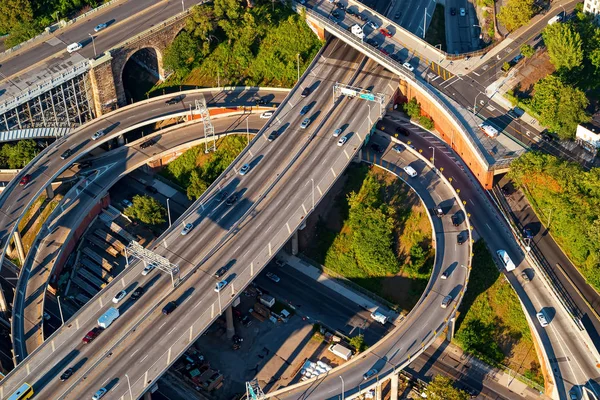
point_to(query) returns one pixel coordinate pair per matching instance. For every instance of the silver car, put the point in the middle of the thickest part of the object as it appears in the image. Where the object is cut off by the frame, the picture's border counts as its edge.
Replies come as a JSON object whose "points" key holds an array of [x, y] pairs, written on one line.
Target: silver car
{"points": [[446, 302], [100, 27], [98, 134], [244, 170], [337, 132], [120, 296], [305, 123], [186, 229]]}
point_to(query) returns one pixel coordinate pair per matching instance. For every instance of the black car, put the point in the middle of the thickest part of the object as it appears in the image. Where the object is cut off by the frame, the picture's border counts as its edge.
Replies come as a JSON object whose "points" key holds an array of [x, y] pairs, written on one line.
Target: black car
{"points": [[377, 148], [547, 137], [305, 92], [221, 271], [395, 57], [174, 100], [169, 308], [340, 6], [222, 195], [246, 321], [231, 199], [260, 101], [272, 136], [453, 11], [372, 42], [460, 239], [67, 374], [527, 233], [350, 12], [402, 131], [335, 14], [455, 220], [147, 143], [137, 293], [151, 189], [66, 154]]}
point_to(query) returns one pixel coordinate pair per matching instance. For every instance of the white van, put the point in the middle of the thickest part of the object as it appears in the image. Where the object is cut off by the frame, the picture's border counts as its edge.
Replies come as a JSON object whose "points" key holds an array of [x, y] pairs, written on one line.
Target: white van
{"points": [[357, 31], [556, 18], [489, 130], [74, 47], [379, 317], [410, 171], [506, 261]]}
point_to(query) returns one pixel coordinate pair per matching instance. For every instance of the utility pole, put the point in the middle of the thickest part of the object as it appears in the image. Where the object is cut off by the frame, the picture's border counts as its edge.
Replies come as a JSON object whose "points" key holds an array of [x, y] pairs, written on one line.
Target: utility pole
{"points": [[60, 310], [169, 211], [313, 192], [433, 157], [182, 6], [247, 131], [424, 20], [342, 387]]}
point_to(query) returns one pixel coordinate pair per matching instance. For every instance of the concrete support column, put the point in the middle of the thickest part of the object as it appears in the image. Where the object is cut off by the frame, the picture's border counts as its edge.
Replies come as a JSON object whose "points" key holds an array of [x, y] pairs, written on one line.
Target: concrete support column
{"points": [[394, 387], [19, 244], [379, 392], [229, 321], [295, 243], [450, 329], [358, 157], [49, 192], [121, 140], [148, 396]]}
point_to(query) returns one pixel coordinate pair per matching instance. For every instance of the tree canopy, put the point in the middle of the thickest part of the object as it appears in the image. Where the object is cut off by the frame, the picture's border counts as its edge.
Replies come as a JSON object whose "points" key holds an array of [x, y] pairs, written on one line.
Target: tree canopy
{"points": [[561, 107], [564, 45], [516, 13], [527, 50], [441, 388], [147, 210], [19, 154]]}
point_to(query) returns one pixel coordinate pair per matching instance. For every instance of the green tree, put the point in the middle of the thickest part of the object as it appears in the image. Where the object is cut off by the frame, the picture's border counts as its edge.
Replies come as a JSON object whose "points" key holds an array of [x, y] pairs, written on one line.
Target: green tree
{"points": [[426, 122], [478, 337], [358, 342], [197, 186], [527, 50], [13, 13], [505, 66], [202, 22], [180, 56], [412, 108], [19, 154], [441, 388], [516, 13], [560, 107], [147, 210], [564, 46]]}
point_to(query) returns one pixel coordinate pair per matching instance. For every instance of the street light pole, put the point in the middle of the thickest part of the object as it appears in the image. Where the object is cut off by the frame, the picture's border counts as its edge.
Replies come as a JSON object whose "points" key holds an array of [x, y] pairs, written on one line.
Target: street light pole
{"points": [[129, 384], [313, 192], [298, 64], [433, 157], [247, 132], [169, 211], [62, 320], [342, 387], [93, 45], [475, 103], [182, 6]]}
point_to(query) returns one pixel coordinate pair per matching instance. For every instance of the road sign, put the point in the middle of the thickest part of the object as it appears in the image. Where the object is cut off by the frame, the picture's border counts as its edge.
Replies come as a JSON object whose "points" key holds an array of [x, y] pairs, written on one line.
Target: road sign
{"points": [[367, 96]]}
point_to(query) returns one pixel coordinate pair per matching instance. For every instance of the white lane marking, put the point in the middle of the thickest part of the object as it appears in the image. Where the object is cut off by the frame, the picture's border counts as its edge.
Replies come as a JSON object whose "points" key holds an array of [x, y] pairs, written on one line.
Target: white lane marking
{"points": [[171, 331], [132, 354], [142, 360]]}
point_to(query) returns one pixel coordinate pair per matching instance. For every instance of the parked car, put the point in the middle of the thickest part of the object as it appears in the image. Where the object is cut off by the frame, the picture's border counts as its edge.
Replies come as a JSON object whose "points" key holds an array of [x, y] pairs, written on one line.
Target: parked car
{"points": [[169, 308], [148, 269], [67, 153], [372, 42], [542, 319], [67, 374], [186, 229], [402, 130], [273, 277], [98, 134], [460, 239], [408, 66], [385, 32], [446, 302], [100, 27], [25, 180], [151, 189], [220, 286], [384, 52], [456, 220], [119, 296], [398, 148], [244, 170], [463, 12], [137, 293], [453, 11], [91, 335], [373, 24], [525, 277], [246, 321]]}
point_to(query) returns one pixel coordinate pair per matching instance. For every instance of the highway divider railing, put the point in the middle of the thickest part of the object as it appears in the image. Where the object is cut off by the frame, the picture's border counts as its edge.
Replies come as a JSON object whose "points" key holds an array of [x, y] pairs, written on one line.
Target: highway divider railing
{"points": [[398, 68], [52, 28]]}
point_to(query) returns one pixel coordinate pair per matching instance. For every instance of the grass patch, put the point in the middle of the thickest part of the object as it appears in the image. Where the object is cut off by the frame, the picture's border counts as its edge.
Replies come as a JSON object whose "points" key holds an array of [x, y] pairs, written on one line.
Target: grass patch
{"points": [[34, 228], [491, 324], [436, 33]]}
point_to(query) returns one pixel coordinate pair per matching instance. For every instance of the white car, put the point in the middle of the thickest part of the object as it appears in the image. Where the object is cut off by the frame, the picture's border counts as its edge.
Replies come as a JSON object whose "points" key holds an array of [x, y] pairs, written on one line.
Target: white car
{"points": [[244, 170], [98, 134], [99, 394], [120, 296], [266, 114], [273, 277], [220, 286], [463, 12], [373, 25], [337, 132], [100, 27], [186, 229], [342, 141], [148, 269], [408, 66], [542, 318]]}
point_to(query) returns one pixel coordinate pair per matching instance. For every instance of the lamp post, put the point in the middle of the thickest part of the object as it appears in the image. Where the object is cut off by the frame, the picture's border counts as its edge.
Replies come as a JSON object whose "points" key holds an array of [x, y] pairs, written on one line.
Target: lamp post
{"points": [[62, 320], [298, 64], [433, 157], [182, 6], [475, 104], [342, 387], [313, 192], [129, 384], [169, 212], [93, 45]]}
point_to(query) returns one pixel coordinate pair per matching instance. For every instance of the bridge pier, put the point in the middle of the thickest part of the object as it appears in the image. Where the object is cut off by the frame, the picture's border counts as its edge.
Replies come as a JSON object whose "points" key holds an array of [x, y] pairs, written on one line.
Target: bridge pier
{"points": [[19, 244], [394, 387], [49, 192], [148, 396], [121, 140], [379, 391], [450, 329], [295, 243], [229, 322]]}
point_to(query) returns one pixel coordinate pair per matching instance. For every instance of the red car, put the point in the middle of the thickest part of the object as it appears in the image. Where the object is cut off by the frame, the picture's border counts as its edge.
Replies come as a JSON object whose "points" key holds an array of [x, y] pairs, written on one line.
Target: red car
{"points": [[25, 180], [385, 32], [91, 335], [384, 52]]}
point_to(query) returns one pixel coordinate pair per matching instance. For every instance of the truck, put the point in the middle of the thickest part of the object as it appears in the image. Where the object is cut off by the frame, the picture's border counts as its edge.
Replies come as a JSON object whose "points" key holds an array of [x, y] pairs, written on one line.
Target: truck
{"points": [[108, 317], [505, 259], [489, 130], [267, 300], [340, 351], [379, 317], [357, 31]]}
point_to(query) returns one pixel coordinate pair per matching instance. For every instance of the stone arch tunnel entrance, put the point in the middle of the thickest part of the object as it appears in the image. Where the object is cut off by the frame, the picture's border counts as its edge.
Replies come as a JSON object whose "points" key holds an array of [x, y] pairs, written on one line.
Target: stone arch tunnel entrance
{"points": [[141, 72]]}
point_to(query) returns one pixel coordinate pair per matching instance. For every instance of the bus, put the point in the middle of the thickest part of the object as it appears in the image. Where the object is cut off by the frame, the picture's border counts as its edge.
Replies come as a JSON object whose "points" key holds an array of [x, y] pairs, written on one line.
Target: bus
{"points": [[22, 393]]}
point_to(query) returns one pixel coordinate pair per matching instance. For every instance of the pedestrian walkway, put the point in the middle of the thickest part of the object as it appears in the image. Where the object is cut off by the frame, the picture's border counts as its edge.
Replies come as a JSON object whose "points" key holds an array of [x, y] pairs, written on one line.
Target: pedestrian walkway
{"points": [[333, 284]]}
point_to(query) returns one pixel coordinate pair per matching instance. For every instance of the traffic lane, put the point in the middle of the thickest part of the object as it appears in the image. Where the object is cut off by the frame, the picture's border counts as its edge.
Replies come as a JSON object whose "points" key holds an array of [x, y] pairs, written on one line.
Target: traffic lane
{"points": [[561, 348], [110, 37], [317, 302]]}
